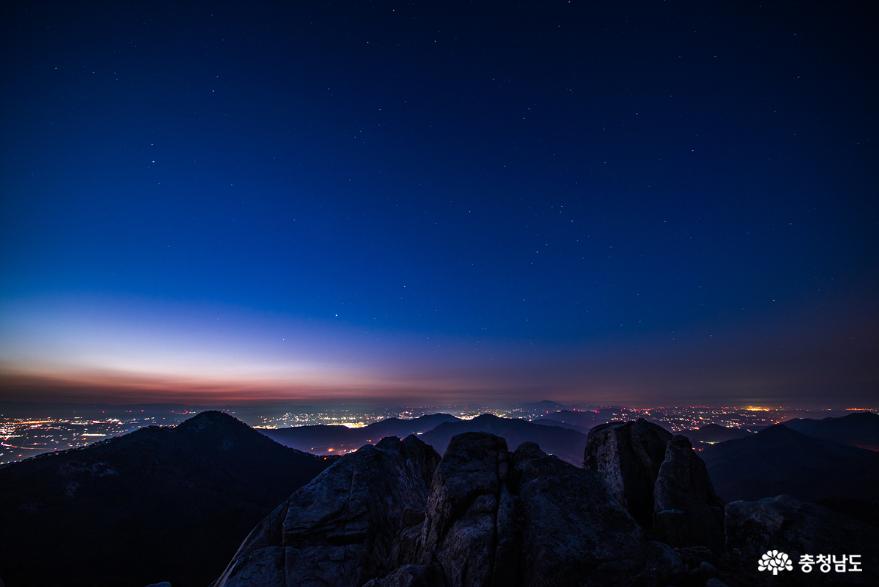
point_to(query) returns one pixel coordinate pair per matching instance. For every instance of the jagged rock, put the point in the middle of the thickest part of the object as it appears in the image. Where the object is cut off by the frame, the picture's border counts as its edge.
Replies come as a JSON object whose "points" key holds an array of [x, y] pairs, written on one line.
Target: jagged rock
{"points": [[660, 480], [573, 532], [628, 456], [686, 510], [356, 521], [389, 516], [795, 527], [530, 519], [460, 531]]}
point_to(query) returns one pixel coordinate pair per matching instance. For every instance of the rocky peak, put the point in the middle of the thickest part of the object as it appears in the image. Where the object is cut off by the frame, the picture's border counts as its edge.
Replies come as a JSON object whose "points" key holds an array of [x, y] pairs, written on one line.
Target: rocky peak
{"points": [[686, 509], [461, 531], [211, 419], [628, 455], [393, 514], [358, 519], [659, 479]]}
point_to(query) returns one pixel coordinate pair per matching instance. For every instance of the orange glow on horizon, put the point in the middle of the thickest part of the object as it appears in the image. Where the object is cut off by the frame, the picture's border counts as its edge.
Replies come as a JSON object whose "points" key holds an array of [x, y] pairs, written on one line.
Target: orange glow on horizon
{"points": [[112, 386]]}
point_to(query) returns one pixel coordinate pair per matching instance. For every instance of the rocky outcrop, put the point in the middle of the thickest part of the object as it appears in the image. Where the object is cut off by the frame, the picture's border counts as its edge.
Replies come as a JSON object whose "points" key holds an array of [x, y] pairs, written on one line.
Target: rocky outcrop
{"points": [[526, 518], [357, 520], [687, 512], [628, 455], [395, 515], [390, 516], [795, 527], [464, 515], [572, 532], [660, 480]]}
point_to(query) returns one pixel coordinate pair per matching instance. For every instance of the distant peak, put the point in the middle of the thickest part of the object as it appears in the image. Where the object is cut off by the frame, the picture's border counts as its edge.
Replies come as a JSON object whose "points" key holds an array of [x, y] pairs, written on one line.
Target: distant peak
{"points": [[437, 416], [713, 427], [211, 419], [780, 431]]}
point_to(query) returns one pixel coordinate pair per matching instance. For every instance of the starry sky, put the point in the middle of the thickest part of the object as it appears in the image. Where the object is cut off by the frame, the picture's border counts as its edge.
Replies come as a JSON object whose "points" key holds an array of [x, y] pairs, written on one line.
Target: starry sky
{"points": [[644, 203]]}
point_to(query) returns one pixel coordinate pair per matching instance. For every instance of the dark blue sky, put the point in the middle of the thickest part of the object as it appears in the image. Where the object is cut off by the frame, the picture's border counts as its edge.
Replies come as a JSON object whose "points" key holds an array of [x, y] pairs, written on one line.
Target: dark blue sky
{"points": [[649, 202]]}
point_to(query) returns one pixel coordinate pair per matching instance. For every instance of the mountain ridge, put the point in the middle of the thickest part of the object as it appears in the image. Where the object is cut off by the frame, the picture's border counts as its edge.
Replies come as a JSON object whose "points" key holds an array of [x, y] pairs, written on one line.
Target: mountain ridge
{"points": [[780, 460], [566, 443], [157, 490], [860, 429]]}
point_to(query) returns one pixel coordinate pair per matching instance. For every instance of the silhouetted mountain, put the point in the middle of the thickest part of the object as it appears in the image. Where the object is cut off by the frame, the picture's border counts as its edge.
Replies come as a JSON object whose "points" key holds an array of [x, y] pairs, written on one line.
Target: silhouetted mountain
{"points": [[565, 443], [546, 406], [583, 421], [780, 460], [860, 429], [320, 439], [155, 504], [714, 434], [660, 481]]}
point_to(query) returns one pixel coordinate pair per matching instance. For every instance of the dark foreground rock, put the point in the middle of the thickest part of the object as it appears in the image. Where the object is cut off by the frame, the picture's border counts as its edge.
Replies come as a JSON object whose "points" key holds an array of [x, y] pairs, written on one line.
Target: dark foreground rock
{"points": [[391, 516], [359, 519], [796, 527], [395, 515], [628, 455], [660, 480], [686, 509]]}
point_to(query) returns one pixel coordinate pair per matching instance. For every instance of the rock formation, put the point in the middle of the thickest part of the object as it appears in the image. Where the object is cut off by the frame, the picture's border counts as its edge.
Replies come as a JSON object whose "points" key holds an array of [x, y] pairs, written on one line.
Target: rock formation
{"points": [[358, 519], [465, 516], [628, 455], [395, 515], [389, 515], [660, 480], [686, 510]]}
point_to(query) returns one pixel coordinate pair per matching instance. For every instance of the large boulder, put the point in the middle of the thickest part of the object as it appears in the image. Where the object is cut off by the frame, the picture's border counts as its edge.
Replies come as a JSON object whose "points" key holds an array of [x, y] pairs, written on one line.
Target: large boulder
{"points": [[628, 455], [461, 529], [660, 480], [357, 520], [530, 519], [687, 512], [572, 531]]}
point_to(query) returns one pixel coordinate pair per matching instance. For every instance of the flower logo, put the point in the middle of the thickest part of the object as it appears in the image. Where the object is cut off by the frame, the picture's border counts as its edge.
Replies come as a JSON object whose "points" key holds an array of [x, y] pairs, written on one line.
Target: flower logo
{"points": [[774, 561]]}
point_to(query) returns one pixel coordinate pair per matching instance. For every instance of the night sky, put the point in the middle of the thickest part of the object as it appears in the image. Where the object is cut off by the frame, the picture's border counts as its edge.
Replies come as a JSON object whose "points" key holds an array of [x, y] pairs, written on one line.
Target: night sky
{"points": [[643, 203]]}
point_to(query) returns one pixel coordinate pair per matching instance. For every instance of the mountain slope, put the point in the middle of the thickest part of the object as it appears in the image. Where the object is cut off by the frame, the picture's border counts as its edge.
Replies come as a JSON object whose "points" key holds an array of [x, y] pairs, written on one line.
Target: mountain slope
{"points": [[156, 504], [779, 460], [583, 420], [565, 443], [714, 434], [860, 429], [320, 439]]}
